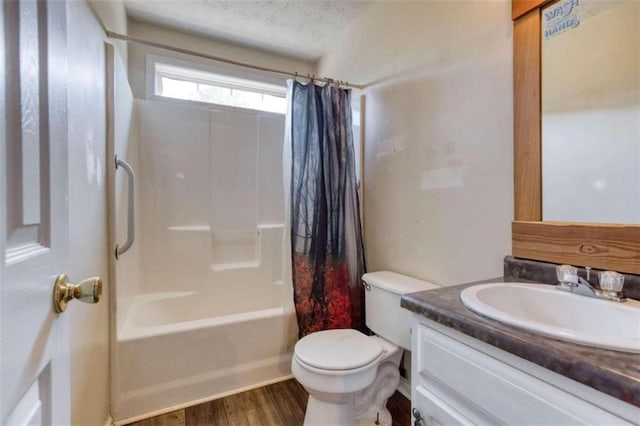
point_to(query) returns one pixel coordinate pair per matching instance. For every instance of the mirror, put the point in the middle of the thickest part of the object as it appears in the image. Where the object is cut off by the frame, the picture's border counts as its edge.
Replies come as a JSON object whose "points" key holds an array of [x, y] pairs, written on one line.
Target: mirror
{"points": [[591, 111]]}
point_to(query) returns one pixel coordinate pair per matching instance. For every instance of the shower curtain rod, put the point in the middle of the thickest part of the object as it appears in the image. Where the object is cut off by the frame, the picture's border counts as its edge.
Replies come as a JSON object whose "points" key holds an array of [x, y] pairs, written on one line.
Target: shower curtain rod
{"points": [[117, 36]]}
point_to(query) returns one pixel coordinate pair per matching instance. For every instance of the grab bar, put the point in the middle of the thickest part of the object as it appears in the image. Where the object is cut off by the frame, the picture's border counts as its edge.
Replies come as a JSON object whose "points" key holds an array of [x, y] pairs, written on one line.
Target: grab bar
{"points": [[130, 207]]}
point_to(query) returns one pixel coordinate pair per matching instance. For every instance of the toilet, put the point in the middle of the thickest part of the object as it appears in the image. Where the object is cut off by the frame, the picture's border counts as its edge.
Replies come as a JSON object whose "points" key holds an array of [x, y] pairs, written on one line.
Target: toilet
{"points": [[350, 376]]}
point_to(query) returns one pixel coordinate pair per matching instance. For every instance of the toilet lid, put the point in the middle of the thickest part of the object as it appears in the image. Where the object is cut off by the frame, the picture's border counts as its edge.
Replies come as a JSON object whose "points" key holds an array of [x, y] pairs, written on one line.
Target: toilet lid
{"points": [[342, 349]]}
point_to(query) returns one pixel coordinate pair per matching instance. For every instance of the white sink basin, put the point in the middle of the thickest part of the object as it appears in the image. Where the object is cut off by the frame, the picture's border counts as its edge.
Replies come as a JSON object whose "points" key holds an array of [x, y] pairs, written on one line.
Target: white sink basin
{"points": [[546, 310]]}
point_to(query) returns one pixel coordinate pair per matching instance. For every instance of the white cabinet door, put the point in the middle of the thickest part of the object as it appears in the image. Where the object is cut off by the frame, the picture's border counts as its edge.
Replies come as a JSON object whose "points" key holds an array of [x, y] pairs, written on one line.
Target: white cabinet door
{"points": [[435, 412], [34, 353]]}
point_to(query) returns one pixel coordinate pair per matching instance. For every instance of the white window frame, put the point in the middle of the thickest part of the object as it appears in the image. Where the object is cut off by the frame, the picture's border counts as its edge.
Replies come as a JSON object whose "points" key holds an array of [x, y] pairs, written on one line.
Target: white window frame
{"points": [[237, 78]]}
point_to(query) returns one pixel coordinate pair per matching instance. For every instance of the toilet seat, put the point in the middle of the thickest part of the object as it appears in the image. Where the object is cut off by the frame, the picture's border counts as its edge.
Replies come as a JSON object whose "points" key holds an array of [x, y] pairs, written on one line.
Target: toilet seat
{"points": [[337, 350]]}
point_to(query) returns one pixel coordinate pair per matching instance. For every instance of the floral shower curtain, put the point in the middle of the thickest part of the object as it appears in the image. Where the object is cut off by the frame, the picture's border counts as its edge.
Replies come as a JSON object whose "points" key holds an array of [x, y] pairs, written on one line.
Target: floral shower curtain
{"points": [[326, 238]]}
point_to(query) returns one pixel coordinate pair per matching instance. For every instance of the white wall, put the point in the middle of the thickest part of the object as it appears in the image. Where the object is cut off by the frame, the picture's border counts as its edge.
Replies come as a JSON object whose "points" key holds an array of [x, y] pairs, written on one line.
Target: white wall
{"points": [[111, 13], [113, 16], [438, 199], [137, 53], [89, 324]]}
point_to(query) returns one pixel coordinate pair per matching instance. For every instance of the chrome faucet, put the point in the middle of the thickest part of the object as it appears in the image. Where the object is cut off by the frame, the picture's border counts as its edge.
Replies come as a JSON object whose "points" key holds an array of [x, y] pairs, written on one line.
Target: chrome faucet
{"points": [[611, 283]]}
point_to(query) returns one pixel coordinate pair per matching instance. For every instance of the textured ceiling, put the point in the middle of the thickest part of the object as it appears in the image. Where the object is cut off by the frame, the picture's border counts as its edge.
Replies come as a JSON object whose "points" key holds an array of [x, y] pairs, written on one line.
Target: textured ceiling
{"points": [[304, 29]]}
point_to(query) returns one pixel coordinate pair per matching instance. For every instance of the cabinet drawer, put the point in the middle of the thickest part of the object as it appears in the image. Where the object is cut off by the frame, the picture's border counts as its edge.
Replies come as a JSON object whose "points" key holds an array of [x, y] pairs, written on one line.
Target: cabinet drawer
{"points": [[483, 387]]}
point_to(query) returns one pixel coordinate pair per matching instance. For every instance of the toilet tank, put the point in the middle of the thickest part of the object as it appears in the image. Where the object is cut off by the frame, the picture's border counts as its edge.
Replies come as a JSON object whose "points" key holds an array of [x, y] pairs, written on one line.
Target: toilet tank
{"points": [[384, 316]]}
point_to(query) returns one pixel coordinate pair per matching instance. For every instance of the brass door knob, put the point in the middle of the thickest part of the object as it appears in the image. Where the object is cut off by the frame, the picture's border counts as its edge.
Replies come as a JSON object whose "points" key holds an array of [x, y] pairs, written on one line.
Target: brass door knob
{"points": [[88, 291]]}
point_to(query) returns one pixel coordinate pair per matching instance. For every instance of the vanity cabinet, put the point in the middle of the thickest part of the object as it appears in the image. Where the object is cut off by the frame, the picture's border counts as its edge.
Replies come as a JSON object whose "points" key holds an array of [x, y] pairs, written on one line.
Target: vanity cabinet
{"points": [[459, 380]]}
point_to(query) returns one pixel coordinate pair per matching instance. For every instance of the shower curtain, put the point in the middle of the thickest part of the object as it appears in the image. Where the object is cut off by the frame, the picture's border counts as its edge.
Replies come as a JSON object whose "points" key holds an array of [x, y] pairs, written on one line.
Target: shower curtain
{"points": [[326, 238]]}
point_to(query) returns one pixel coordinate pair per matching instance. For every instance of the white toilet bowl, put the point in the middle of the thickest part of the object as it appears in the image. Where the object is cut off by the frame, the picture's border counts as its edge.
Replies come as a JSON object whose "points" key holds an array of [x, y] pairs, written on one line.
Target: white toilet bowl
{"points": [[350, 376]]}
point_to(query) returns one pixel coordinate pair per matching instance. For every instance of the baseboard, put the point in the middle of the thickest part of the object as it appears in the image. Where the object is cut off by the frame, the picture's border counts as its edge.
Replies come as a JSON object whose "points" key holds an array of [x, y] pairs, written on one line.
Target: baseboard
{"points": [[404, 387], [109, 421]]}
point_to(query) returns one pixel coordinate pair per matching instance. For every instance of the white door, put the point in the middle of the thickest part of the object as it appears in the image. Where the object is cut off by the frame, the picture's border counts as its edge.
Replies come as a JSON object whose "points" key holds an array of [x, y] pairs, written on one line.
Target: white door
{"points": [[34, 372]]}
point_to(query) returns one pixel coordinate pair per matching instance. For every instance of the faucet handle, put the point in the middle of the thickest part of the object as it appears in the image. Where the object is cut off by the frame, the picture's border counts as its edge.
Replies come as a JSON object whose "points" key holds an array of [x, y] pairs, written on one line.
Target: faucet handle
{"points": [[611, 281], [567, 274]]}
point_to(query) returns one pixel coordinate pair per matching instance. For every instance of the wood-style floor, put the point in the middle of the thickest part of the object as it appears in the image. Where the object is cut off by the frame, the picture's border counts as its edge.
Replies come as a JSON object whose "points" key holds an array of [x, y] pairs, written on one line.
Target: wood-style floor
{"points": [[280, 404]]}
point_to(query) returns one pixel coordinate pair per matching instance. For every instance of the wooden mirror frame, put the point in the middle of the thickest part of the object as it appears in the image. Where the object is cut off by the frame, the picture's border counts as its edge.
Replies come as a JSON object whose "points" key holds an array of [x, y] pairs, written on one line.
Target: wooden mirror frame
{"points": [[602, 246]]}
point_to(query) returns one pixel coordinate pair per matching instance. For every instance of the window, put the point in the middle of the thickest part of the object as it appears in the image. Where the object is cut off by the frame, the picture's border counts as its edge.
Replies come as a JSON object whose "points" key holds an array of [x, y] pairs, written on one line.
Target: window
{"points": [[178, 82]]}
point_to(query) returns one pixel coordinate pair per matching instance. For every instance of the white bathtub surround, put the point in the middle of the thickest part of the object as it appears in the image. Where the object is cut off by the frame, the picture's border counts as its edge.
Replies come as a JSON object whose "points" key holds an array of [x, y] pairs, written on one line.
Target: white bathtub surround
{"points": [[210, 310]]}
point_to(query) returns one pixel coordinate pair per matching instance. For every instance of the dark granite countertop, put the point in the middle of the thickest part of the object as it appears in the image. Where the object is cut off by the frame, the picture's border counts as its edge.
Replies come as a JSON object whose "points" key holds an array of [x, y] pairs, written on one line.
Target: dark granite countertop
{"points": [[614, 373]]}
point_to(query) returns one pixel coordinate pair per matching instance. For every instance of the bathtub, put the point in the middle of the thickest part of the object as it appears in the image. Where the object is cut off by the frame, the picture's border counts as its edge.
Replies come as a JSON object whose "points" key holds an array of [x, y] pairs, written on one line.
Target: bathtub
{"points": [[173, 353], [202, 304]]}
